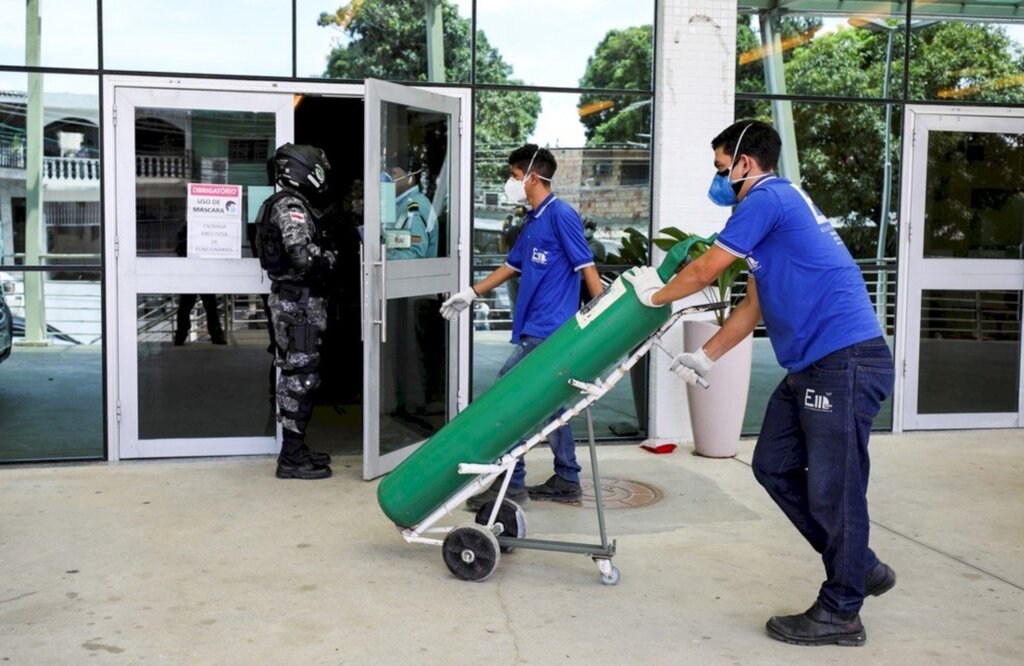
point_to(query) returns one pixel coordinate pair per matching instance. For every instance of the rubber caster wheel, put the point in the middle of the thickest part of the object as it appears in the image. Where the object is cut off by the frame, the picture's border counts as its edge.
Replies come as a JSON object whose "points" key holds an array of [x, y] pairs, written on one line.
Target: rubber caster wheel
{"points": [[610, 578], [510, 515], [471, 552]]}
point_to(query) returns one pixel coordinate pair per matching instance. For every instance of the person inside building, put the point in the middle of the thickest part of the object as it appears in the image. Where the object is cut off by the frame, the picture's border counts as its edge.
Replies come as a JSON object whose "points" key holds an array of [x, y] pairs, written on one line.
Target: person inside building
{"points": [[300, 270], [550, 256], [812, 453], [188, 301], [415, 232], [511, 227]]}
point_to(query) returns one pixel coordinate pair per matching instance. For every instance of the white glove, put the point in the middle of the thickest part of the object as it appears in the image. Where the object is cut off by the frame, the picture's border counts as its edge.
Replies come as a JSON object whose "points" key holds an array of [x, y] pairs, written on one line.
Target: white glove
{"points": [[451, 308], [692, 368], [646, 282]]}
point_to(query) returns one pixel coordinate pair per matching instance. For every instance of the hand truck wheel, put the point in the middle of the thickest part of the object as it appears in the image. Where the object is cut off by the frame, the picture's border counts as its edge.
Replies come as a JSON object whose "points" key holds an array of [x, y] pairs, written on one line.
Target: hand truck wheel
{"points": [[510, 515], [471, 552]]}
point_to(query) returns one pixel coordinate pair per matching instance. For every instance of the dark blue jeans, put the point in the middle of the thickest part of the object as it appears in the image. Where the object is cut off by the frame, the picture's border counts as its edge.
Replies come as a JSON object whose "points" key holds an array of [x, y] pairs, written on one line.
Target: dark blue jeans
{"points": [[812, 458], [561, 440]]}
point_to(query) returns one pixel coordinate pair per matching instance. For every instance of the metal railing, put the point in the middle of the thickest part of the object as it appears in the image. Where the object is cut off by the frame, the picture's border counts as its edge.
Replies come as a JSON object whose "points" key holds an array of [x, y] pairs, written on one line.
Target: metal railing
{"points": [[493, 311]]}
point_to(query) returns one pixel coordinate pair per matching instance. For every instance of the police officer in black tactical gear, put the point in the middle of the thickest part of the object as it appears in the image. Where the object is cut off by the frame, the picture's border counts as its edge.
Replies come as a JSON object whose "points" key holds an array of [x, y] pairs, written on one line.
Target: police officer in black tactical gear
{"points": [[288, 248]]}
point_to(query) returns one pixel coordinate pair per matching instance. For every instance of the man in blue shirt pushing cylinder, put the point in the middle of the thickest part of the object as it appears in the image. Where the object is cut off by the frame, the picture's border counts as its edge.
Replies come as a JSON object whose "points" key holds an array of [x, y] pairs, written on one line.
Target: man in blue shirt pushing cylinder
{"points": [[550, 256], [812, 453]]}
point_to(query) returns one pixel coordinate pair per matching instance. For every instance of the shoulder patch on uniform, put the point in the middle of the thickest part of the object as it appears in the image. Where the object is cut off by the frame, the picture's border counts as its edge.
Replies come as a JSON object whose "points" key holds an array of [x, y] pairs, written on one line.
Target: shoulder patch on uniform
{"points": [[413, 205], [297, 215]]}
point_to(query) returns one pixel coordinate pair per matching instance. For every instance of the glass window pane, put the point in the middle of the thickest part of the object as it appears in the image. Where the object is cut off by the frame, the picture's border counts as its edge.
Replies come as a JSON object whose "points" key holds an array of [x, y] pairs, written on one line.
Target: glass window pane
{"points": [[413, 369], [848, 54], [414, 199], [197, 36], [974, 206], [174, 147], [840, 150], [60, 222], [602, 146], [51, 379], [213, 342], [970, 351], [67, 34], [597, 44], [979, 57], [385, 39]]}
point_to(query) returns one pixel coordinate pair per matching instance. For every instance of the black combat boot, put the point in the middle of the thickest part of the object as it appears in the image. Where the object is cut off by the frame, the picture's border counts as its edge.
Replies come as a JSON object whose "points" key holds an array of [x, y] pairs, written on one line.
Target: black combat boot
{"points": [[296, 462]]}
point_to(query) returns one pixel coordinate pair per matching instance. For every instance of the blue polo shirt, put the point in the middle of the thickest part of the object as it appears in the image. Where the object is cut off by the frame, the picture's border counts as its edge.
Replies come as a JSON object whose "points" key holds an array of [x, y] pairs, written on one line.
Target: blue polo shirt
{"points": [[812, 294], [548, 255]]}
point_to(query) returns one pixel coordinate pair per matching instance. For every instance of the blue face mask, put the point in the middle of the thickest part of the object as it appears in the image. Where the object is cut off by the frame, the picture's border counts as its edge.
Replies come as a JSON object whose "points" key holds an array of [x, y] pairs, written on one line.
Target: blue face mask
{"points": [[724, 189], [721, 192]]}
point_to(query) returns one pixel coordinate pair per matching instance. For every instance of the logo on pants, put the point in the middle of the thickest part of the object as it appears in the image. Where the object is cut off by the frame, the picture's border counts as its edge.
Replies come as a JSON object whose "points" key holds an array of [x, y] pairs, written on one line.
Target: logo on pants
{"points": [[817, 401]]}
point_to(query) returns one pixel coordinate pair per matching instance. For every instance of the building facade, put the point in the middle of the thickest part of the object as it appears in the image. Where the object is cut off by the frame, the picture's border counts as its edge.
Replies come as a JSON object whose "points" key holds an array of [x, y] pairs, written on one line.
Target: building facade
{"points": [[903, 121]]}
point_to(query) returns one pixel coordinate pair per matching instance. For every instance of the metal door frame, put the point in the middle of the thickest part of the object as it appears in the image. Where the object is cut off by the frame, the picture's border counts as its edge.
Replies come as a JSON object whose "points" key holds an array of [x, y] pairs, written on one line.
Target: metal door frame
{"points": [[384, 280], [112, 324], [917, 273]]}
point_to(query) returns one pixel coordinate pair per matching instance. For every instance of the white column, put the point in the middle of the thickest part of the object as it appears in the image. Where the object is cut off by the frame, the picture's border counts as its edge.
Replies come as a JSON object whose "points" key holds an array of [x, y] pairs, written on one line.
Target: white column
{"points": [[695, 77]]}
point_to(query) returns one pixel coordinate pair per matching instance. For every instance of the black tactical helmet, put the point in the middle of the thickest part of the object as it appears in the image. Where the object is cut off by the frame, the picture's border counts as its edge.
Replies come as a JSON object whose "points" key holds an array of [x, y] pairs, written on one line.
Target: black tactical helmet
{"points": [[301, 167]]}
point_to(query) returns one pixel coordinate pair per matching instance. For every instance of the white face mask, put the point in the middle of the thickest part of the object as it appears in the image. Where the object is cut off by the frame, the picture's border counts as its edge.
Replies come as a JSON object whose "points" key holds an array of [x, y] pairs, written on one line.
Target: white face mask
{"points": [[515, 190]]}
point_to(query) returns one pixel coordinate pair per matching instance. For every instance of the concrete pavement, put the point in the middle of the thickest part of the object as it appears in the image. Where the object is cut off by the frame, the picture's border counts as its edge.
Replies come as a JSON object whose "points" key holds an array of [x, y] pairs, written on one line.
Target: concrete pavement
{"points": [[217, 562]]}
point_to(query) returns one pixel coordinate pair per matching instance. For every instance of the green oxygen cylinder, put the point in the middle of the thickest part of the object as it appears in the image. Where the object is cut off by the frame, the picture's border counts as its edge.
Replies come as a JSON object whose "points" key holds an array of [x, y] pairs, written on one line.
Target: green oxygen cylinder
{"points": [[518, 404]]}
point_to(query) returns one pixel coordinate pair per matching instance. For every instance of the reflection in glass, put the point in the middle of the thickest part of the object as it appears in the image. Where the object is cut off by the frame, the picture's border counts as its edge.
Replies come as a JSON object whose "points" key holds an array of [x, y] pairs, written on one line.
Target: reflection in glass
{"points": [[174, 147], [602, 147], [198, 36], [67, 34], [193, 386], [973, 58], [58, 222], [970, 351], [588, 37], [415, 184], [385, 39], [859, 54], [414, 360], [51, 391], [974, 205]]}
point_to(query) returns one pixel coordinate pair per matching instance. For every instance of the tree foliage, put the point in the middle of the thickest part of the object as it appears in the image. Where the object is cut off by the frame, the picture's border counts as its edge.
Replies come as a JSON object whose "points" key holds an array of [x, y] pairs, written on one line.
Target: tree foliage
{"points": [[386, 39], [623, 60]]}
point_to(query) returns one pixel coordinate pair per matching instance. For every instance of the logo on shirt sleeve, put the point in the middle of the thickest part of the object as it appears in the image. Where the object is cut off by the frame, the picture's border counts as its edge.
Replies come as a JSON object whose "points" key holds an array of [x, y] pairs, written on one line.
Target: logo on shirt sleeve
{"points": [[540, 256]]}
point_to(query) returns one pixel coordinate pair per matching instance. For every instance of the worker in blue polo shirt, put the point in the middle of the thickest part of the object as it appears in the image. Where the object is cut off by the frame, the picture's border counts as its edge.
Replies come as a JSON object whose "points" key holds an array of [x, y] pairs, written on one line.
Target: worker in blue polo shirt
{"points": [[812, 453], [550, 256]]}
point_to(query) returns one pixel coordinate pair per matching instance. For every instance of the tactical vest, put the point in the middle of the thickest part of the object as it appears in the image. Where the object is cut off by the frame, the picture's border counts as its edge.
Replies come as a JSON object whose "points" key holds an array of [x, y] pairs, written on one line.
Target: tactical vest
{"points": [[270, 247]]}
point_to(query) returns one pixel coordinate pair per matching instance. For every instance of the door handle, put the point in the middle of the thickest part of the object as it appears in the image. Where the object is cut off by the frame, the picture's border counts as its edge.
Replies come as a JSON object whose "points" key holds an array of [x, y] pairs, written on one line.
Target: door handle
{"points": [[362, 294], [383, 321]]}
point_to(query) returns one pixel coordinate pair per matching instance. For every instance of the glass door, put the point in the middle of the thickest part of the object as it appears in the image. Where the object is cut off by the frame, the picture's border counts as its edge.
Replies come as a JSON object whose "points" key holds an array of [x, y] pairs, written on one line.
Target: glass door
{"points": [[962, 272], [410, 261], [194, 374]]}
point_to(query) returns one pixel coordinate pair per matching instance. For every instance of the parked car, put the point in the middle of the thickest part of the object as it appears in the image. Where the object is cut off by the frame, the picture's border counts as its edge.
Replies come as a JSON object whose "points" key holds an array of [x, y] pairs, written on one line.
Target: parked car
{"points": [[6, 328]]}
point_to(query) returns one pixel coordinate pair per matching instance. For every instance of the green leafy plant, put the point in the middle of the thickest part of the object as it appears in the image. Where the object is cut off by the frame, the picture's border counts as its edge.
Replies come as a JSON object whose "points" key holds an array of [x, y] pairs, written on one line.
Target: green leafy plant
{"points": [[633, 251], [720, 289]]}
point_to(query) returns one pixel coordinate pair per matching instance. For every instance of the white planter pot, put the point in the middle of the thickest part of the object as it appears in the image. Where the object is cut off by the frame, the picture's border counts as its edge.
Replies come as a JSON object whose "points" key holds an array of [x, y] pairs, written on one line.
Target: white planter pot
{"points": [[716, 413]]}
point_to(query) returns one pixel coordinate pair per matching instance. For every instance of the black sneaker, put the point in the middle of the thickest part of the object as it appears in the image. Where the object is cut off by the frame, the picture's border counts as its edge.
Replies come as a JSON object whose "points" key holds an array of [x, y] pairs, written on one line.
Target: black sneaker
{"points": [[817, 626], [881, 579], [515, 493], [305, 469], [556, 489]]}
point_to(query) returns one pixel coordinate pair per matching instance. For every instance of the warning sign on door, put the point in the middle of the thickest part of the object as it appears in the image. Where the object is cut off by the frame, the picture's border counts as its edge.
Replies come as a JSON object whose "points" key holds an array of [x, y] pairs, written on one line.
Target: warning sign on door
{"points": [[214, 221]]}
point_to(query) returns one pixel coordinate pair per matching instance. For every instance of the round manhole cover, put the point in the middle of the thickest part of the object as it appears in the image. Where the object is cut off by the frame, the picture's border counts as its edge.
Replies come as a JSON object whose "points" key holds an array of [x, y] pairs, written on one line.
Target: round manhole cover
{"points": [[620, 494]]}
